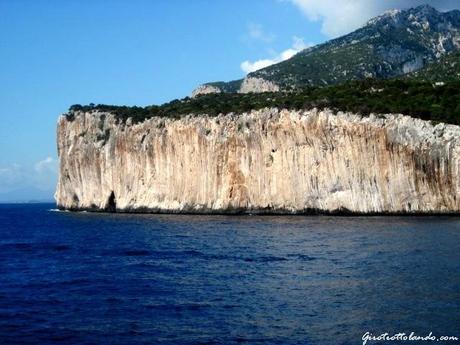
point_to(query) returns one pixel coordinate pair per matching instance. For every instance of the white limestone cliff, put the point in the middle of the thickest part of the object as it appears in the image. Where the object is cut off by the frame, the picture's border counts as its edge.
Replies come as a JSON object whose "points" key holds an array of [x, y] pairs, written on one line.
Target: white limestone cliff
{"points": [[252, 84], [248, 85], [265, 161], [205, 89]]}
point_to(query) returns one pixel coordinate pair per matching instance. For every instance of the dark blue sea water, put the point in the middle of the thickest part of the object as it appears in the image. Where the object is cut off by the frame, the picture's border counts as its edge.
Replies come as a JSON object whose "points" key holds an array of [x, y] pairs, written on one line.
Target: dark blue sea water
{"points": [[82, 278]]}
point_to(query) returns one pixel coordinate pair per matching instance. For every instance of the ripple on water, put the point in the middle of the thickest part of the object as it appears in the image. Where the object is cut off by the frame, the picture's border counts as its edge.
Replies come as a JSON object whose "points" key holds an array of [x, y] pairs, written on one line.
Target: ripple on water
{"points": [[153, 279]]}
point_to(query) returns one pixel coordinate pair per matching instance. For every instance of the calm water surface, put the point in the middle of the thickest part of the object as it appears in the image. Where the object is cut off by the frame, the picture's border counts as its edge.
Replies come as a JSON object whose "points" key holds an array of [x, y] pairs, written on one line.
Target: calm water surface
{"points": [[80, 278]]}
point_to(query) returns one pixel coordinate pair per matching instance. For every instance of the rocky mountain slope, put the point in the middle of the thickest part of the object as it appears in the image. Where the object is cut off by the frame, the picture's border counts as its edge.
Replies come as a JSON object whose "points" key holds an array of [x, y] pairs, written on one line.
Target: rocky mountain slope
{"points": [[265, 161], [445, 70], [393, 44]]}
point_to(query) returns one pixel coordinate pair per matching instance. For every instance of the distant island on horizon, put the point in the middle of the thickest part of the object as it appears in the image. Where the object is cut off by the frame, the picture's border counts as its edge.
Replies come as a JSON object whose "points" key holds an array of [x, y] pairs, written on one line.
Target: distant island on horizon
{"points": [[27, 195]]}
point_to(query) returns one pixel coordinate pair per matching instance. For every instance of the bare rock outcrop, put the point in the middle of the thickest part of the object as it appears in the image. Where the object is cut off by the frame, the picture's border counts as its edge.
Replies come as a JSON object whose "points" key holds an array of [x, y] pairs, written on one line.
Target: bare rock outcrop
{"points": [[252, 84], [205, 89], [265, 161]]}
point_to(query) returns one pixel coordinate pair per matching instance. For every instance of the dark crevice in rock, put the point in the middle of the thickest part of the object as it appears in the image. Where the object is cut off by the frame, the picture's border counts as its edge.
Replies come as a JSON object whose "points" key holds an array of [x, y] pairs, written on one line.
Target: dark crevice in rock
{"points": [[111, 205]]}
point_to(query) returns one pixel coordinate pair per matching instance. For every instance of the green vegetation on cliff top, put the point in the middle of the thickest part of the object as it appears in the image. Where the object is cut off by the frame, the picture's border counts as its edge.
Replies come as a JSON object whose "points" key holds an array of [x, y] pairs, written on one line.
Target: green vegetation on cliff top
{"points": [[230, 86], [419, 99]]}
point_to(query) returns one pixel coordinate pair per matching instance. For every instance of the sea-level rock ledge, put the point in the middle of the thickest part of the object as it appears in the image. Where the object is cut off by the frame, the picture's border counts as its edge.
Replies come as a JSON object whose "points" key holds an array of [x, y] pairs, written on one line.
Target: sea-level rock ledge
{"points": [[264, 161]]}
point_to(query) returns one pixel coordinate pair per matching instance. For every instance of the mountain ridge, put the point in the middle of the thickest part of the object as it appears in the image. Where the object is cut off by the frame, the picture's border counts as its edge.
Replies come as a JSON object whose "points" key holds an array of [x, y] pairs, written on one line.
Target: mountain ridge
{"points": [[393, 44]]}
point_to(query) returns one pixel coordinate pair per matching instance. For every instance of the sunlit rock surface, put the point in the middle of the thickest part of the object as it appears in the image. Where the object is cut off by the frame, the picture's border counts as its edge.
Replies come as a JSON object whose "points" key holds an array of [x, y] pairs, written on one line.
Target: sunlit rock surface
{"points": [[205, 90], [256, 85], [266, 161]]}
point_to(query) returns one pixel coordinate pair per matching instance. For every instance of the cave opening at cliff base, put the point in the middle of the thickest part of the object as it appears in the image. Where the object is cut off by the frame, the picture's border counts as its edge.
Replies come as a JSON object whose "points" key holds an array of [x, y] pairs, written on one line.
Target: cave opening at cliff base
{"points": [[111, 205]]}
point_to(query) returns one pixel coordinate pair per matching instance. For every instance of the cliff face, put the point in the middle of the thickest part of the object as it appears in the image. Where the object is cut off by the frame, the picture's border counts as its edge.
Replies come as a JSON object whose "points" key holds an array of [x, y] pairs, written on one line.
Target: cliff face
{"points": [[248, 85], [265, 161], [205, 89]]}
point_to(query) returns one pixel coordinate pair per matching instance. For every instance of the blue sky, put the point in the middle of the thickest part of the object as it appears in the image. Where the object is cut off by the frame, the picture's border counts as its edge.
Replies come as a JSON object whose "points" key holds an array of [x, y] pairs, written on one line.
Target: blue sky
{"points": [[56, 53]]}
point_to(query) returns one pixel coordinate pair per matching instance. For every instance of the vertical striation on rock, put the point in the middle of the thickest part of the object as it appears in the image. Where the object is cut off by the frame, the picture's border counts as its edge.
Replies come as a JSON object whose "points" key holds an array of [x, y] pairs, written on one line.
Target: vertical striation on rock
{"points": [[265, 161]]}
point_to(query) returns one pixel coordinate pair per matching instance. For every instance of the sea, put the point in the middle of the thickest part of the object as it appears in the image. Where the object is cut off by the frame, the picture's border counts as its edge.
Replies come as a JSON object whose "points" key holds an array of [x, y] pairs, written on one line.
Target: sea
{"points": [[94, 278]]}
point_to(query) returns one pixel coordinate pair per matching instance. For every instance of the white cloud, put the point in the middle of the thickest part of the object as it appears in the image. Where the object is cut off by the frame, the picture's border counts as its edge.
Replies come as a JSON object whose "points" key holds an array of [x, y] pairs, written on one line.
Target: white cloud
{"points": [[10, 175], [256, 32], [46, 165], [298, 44], [341, 17], [40, 176]]}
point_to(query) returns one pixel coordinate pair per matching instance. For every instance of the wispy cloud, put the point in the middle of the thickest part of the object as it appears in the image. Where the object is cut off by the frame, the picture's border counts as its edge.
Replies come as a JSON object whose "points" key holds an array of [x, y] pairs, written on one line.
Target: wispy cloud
{"points": [[298, 44], [40, 176], [48, 164], [338, 18], [256, 32], [9, 175]]}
